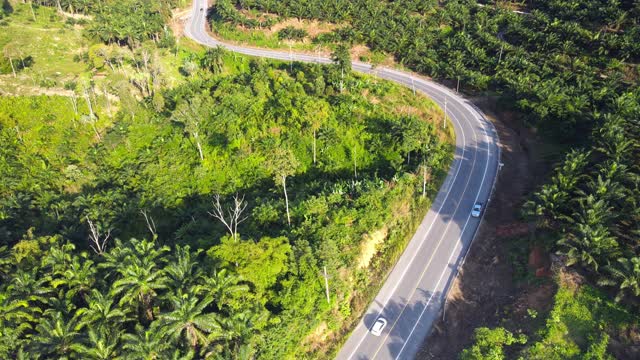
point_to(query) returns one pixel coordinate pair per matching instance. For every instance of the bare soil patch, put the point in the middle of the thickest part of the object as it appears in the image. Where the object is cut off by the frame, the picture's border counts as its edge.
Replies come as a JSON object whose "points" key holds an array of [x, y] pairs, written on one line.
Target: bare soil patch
{"points": [[485, 291], [312, 27]]}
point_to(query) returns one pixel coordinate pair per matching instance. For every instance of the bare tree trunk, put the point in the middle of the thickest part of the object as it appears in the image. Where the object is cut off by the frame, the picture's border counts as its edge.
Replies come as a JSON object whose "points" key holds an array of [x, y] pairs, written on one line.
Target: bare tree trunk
{"points": [[88, 100], [234, 214], [106, 96], [424, 180], [32, 12], [74, 103], [286, 198], [13, 68], [314, 146], [195, 136], [151, 225], [355, 165], [97, 241]]}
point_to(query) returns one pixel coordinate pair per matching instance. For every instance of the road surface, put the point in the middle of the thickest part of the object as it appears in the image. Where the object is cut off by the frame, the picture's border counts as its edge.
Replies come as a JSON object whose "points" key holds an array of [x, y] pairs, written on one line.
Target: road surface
{"points": [[413, 294]]}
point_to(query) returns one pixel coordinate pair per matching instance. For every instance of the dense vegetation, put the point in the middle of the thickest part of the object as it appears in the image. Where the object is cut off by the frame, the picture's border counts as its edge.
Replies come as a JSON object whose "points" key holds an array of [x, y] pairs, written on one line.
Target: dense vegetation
{"points": [[242, 183], [559, 68], [569, 69], [573, 330]]}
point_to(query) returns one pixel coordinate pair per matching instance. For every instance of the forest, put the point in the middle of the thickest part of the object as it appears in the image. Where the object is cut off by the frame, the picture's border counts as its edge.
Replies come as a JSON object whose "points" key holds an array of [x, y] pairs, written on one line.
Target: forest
{"points": [[149, 220], [569, 69], [182, 203]]}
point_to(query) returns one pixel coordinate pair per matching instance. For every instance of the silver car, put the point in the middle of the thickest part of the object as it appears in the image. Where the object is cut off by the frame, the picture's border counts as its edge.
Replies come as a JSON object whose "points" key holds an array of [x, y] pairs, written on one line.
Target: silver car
{"points": [[477, 210], [377, 328]]}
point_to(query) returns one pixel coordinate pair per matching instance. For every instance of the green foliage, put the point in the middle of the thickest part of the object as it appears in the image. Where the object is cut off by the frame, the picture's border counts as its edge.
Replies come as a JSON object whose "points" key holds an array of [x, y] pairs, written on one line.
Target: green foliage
{"points": [[592, 201], [555, 69], [129, 22], [489, 343], [578, 326], [292, 33], [260, 131], [261, 262]]}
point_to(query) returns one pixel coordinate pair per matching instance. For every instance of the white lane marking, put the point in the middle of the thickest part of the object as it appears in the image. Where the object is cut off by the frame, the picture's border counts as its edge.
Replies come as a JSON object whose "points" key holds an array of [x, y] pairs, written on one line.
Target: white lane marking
{"points": [[361, 324], [442, 236], [486, 167]]}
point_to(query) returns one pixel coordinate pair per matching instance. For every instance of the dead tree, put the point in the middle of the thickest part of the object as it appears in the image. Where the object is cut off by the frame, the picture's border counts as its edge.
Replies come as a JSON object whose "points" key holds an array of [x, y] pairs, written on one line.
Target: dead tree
{"points": [[151, 225], [233, 216], [97, 241]]}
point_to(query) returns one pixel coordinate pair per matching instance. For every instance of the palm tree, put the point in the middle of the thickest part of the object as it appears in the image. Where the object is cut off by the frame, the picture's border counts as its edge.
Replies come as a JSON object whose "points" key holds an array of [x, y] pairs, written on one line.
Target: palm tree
{"points": [[16, 318], [188, 322], [145, 344], [238, 332], [214, 59], [138, 287], [625, 276], [60, 303], [588, 240], [100, 313], [55, 335], [78, 278], [183, 271], [29, 285], [58, 257], [222, 286], [100, 346]]}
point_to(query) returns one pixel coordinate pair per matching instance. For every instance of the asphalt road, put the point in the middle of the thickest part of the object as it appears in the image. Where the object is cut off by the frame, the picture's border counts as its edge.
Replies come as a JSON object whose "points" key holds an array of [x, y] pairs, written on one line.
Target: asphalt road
{"points": [[413, 294]]}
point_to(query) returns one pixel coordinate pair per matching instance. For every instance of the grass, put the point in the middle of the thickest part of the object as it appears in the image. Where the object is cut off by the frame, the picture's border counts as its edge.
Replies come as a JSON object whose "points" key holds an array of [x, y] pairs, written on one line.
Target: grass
{"points": [[50, 42], [56, 46], [580, 325], [260, 38]]}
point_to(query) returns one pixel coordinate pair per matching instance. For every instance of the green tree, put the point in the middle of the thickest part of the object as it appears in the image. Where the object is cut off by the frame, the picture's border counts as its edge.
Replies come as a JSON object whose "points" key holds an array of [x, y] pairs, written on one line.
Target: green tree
{"points": [[625, 275], [282, 163], [261, 263], [146, 344], [189, 323], [489, 344], [55, 335], [99, 346], [213, 59]]}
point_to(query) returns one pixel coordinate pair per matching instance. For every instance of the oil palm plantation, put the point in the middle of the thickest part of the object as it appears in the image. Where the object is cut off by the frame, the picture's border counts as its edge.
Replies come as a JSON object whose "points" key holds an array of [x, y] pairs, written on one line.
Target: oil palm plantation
{"points": [[98, 346], [101, 313], [145, 344], [55, 335], [625, 275], [138, 288], [189, 324]]}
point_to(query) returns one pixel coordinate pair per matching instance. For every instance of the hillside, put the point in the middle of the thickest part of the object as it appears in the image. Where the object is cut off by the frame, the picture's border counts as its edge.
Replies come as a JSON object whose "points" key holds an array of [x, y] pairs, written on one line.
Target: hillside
{"points": [[161, 200]]}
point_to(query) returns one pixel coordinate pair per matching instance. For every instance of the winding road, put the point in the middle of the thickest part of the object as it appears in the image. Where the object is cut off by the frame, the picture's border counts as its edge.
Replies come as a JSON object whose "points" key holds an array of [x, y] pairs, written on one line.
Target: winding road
{"points": [[413, 294]]}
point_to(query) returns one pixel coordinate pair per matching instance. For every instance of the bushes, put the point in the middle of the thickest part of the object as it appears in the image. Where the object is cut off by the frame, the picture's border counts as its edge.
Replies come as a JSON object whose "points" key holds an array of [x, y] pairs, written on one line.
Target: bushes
{"points": [[291, 33], [578, 327], [153, 176]]}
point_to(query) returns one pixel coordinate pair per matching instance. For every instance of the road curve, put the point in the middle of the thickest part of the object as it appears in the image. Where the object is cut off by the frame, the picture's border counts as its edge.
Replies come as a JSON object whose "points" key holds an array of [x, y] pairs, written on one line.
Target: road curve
{"points": [[414, 292]]}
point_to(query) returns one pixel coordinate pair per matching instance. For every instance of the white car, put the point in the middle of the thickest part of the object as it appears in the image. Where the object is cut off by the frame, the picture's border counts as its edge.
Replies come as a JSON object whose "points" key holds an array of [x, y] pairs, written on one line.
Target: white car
{"points": [[477, 210], [377, 328]]}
